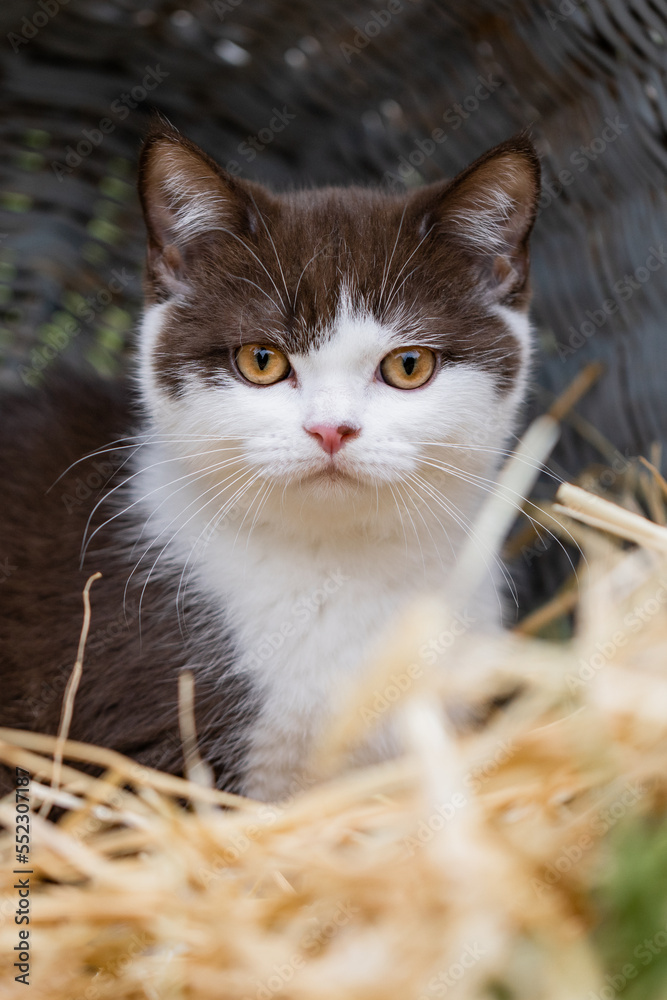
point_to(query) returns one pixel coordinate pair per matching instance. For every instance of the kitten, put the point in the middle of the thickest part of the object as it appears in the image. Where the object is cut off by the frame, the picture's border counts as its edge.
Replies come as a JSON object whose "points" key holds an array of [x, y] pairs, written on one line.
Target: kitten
{"points": [[327, 380]]}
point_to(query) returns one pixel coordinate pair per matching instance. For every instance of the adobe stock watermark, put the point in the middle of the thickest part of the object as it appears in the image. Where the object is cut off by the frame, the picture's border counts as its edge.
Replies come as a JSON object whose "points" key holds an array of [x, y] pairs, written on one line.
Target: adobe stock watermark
{"points": [[224, 7], [618, 467], [85, 486], [537, 548], [624, 288], [53, 684], [254, 144], [302, 610], [310, 943], [60, 336], [632, 623], [231, 513], [603, 821], [377, 21], [106, 979], [240, 840], [43, 12], [447, 979], [454, 118], [566, 9], [645, 952], [128, 101], [445, 812], [439, 644], [399, 683], [581, 160], [7, 567]]}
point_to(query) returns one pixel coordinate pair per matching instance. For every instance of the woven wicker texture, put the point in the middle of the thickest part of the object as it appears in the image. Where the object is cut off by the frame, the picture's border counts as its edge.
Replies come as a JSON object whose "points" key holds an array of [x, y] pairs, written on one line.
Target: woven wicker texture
{"points": [[341, 91]]}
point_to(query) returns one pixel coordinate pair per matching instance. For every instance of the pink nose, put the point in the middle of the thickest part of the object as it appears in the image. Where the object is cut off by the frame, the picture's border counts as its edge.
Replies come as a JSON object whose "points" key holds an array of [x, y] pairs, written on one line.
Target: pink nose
{"points": [[331, 438]]}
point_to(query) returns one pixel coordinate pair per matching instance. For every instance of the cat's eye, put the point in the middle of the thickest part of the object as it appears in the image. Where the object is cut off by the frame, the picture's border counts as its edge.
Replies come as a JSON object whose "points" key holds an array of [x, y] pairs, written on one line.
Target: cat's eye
{"points": [[408, 367], [262, 364]]}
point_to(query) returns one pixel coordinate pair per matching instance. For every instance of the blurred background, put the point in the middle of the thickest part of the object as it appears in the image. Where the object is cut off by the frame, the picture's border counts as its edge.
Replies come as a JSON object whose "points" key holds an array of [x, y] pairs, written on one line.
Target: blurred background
{"points": [[395, 92]]}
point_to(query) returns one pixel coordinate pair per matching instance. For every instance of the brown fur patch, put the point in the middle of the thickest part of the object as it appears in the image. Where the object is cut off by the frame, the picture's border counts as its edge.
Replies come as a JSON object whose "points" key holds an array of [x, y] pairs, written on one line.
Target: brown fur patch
{"points": [[272, 268], [127, 699]]}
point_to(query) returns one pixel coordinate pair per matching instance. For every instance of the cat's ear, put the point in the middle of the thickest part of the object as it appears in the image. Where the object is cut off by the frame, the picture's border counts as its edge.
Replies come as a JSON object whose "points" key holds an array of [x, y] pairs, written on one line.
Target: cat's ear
{"points": [[488, 212], [185, 197]]}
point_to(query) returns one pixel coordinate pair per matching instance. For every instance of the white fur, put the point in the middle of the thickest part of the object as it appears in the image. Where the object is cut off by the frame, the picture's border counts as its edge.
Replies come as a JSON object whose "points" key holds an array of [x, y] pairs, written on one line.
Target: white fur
{"points": [[192, 211], [486, 216], [482, 221], [309, 573]]}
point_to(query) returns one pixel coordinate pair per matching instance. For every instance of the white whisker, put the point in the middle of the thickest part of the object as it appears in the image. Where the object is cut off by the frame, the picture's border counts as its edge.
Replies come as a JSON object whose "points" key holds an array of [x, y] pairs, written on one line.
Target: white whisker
{"points": [[400, 518], [212, 524], [252, 253], [413, 487], [489, 486], [391, 290], [303, 271], [414, 528], [176, 458], [386, 269], [140, 441], [176, 533], [499, 452], [268, 233], [463, 522]]}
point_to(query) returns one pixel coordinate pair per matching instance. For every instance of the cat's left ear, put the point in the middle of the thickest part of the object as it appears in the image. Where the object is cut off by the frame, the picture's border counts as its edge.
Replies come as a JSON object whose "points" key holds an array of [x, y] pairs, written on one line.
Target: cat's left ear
{"points": [[488, 212], [186, 198]]}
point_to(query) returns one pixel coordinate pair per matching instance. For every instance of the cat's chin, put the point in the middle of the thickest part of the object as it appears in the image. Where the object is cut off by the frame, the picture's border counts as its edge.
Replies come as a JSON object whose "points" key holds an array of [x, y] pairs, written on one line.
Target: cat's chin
{"points": [[330, 488], [329, 482]]}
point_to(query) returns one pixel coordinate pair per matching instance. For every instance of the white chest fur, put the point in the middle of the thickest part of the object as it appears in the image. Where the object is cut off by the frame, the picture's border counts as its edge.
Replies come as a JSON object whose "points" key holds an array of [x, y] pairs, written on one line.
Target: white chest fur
{"points": [[304, 616], [305, 627]]}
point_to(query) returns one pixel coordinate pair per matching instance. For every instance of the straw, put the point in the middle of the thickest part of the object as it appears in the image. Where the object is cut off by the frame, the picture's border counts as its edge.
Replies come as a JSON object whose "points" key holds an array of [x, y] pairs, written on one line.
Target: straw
{"points": [[446, 871]]}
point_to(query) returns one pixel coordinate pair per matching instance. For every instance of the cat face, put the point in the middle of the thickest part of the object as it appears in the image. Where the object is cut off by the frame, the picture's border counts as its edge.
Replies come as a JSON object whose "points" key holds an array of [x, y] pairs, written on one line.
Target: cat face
{"points": [[339, 342]]}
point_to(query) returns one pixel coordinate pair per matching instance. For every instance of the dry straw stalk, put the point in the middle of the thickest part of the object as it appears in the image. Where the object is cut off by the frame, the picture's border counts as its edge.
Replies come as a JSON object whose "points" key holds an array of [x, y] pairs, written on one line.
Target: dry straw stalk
{"points": [[466, 867]]}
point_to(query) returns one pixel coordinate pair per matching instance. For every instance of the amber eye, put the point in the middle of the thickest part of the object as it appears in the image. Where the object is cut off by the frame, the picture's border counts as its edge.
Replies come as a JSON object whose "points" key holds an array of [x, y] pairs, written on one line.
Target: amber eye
{"points": [[408, 367], [262, 364]]}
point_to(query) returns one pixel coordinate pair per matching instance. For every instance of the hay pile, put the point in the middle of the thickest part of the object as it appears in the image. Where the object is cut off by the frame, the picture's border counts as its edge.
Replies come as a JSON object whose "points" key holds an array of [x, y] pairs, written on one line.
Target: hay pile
{"points": [[522, 859]]}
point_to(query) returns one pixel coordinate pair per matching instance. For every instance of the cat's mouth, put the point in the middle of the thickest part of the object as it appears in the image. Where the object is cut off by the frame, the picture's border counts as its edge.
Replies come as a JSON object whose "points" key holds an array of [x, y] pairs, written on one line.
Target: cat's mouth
{"points": [[329, 474]]}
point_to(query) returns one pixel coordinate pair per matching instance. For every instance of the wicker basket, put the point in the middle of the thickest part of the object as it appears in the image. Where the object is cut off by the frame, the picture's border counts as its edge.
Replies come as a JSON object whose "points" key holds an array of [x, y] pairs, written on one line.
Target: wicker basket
{"points": [[395, 91]]}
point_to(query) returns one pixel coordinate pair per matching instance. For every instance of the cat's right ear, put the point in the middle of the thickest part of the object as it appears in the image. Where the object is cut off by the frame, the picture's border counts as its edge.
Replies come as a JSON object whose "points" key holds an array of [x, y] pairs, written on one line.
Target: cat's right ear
{"points": [[186, 198], [488, 212]]}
